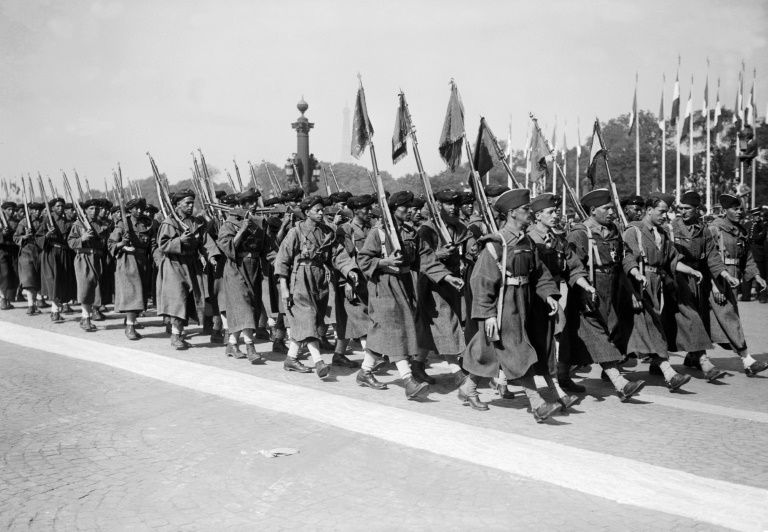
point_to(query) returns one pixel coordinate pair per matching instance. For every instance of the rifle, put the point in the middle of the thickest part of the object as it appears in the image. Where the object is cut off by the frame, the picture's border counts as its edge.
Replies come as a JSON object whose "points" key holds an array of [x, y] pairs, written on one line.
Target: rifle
{"points": [[576, 203], [81, 216], [327, 185], [200, 188], [106, 186], [263, 211], [208, 184], [253, 179], [622, 218], [239, 180], [333, 175], [79, 186], [138, 189], [88, 189], [31, 188], [274, 183], [45, 200], [477, 185], [501, 155], [373, 184], [26, 206], [54, 192], [437, 219], [232, 183], [163, 195], [121, 202], [3, 218], [298, 178]]}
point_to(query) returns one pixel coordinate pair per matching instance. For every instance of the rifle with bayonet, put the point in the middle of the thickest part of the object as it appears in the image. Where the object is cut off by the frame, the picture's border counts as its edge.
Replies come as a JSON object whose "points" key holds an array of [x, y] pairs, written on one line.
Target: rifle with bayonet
{"points": [[576, 203], [437, 219], [622, 218], [239, 180], [253, 180], [231, 182], [88, 189], [333, 175], [274, 183], [31, 188], [201, 189], [127, 228], [163, 195], [79, 186], [327, 185], [54, 192], [81, 216]]}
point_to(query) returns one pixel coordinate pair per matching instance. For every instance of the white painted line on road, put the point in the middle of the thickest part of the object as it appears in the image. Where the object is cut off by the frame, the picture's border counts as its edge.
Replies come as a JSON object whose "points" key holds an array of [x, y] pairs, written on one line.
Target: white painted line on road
{"points": [[617, 479]]}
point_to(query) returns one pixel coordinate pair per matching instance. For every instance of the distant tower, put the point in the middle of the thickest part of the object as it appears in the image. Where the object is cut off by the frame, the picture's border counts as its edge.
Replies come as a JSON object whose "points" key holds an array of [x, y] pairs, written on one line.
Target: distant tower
{"points": [[346, 136], [302, 127]]}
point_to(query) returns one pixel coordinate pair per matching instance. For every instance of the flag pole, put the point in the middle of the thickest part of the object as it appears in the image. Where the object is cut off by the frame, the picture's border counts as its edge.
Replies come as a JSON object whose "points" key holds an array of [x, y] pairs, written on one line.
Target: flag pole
{"points": [[578, 153], [737, 113], [637, 143], [663, 139], [690, 133], [706, 117], [754, 126], [677, 130]]}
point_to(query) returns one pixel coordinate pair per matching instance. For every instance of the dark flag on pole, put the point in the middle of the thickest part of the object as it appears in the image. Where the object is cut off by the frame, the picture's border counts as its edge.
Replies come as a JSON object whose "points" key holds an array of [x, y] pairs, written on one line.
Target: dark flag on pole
{"points": [[486, 155], [362, 130], [597, 150], [452, 136], [633, 118], [399, 137], [539, 156]]}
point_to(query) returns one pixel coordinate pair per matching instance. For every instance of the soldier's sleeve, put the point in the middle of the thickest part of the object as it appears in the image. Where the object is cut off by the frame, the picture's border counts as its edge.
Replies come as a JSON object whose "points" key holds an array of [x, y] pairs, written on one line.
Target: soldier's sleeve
{"points": [[578, 245], [288, 249], [574, 269], [115, 238], [714, 260], [543, 280], [673, 256], [19, 235], [485, 283], [169, 239], [226, 241], [631, 250], [428, 235], [74, 239], [428, 263], [750, 267], [342, 260], [40, 235], [370, 254]]}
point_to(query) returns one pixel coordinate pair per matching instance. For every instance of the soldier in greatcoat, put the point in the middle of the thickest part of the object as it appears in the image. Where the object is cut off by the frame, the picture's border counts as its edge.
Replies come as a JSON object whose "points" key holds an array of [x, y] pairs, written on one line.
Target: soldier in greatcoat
{"points": [[729, 237], [9, 251], [303, 265], [132, 247], [56, 263], [244, 242], [592, 332], [29, 257], [504, 283], [392, 292], [650, 257], [181, 282]]}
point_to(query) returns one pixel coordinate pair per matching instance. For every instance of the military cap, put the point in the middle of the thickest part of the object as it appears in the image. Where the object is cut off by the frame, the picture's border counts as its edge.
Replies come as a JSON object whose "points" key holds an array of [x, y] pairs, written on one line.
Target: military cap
{"points": [[691, 198], [54, 201], [9, 205], [177, 196], [756, 210], [274, 222], [465, 198], [139, 203], [447, 195], [250, 194], [327, 201], [544, 201], [68, 206], [632, 200], [310, 201], [36, 205], [114, 209], [292, 194], [596, 198], [728, 201], [91, 203], [417, 203], [220, 194], [345, 194], [272, 202], [229, 199], [340, 196], [152, 209], [492, 191], [512, 199], [403, 197], [669, 199], [359, 202]]}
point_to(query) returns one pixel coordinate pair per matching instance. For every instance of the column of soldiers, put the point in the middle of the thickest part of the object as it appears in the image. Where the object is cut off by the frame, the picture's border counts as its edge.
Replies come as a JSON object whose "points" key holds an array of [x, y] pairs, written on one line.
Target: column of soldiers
{"points": [[490, 304]]}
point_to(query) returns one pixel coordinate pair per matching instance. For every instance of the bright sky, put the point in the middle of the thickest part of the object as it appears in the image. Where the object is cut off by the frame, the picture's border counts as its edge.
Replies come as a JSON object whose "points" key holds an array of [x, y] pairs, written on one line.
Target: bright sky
{"points": [[86, 84]]}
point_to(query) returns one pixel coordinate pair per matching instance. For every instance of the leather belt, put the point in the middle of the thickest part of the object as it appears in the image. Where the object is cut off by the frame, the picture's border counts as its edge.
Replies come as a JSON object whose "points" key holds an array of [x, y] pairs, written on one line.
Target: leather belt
{"points": [[518, 280], [89, 251], [310, 262], [136, 251], [606, 268], [249, 255], [394, 270], [651, 269], [60, 246], [731, 262]]}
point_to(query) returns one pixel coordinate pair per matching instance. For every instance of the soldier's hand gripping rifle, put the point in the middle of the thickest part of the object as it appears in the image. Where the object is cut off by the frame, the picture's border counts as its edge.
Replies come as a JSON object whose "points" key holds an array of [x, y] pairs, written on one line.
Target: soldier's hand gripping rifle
{"points": [[127, 228], [164, 196], [576, 203]]}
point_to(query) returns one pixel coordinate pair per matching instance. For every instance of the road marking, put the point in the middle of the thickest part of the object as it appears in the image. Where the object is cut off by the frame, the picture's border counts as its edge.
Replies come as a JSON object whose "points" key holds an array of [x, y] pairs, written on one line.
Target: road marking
{"points": [[617, 479]]}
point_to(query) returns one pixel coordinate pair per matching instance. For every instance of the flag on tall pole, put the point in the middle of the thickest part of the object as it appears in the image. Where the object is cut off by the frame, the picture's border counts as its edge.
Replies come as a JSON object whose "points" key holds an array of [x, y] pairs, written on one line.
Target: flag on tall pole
{"points": [[705, 112], [718, 112], [663, 128], [578, 155], [753, 123], [594, 153], [675, 121], [633, 112], [452, 135], [749, 107], [539, 155], [527, 158], [554, 157], [737, 121], [400, 136], [636, 126], [362, 130]]}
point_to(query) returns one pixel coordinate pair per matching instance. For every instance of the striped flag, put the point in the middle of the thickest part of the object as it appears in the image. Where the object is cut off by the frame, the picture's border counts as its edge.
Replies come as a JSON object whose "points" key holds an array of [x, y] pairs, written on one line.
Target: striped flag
{"points": [[675, 116], [633, 113], [564, 149], [661, 111], [596, 150], [688, 114], [737, 116], [554, 138], [749, 108], [578, 139], [705, 105], [718, 109]]}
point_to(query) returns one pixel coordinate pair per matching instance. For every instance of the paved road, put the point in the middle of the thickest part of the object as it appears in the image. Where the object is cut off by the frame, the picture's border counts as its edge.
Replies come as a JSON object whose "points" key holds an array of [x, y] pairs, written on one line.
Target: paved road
{"points": [[126, 439]]}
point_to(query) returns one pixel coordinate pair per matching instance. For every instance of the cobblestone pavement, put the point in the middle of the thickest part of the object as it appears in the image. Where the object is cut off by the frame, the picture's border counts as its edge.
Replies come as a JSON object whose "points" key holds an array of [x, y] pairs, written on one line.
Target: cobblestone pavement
{"points": [[86, 446]]}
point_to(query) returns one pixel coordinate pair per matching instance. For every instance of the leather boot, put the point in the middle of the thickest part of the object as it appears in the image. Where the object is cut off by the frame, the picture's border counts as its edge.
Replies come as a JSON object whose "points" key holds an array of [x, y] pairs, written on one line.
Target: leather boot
{"points": [[291, 364], [379, 364], [278, 346], [178, 343], [253, 356], [325, 344], [630, 389], [322, 369], [542, 413], [56, 317], [217, 337], [414, 388], [5, 304], [261, 333], [86, 325], [233, 350], [567, 384], [340, 359], [131, 334], [98, 315], [473, 401], [32, 311], [66, 309], [366, 378], [417, 369], [677, 381]]}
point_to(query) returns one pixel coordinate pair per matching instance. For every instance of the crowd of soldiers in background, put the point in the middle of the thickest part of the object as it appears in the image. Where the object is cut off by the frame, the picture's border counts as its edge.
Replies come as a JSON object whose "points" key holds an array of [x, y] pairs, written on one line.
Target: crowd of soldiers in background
{"points": [[492, 305]]}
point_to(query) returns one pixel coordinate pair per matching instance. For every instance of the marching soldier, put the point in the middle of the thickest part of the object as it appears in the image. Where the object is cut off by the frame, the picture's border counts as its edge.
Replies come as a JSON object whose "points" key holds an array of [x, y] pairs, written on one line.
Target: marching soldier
{"points": [[592, 331], [56, 263], [181, 282], [9, 278], [725, 325], [649, 257], [303, 265], [132, 247], [504, 283], [392, 294], [633, 208], [245, 244], [88, 241], [29, 257]]}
